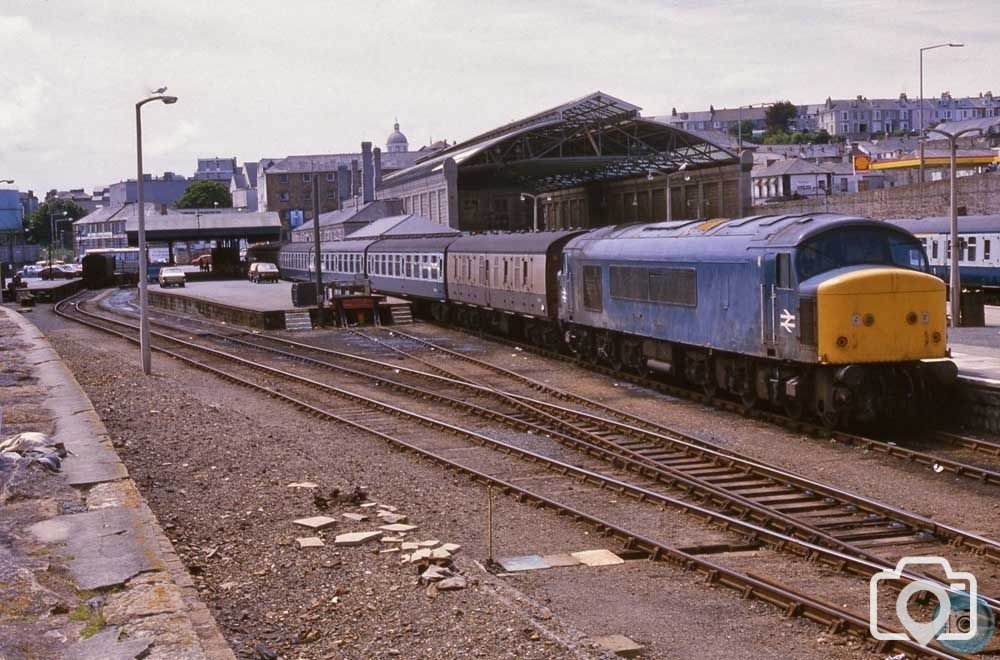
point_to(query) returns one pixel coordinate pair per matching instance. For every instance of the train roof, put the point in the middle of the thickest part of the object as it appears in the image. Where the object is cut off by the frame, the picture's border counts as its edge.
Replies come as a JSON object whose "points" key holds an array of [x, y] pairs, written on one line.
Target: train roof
{"points": [[535, 242], [433, 243], [976, 224], [714, 238]]}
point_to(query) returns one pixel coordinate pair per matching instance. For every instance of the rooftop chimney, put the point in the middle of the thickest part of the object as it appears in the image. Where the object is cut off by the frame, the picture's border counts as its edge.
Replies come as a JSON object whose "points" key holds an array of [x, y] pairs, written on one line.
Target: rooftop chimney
{"points": [[377, 157], [367, 173], [343, 184]]}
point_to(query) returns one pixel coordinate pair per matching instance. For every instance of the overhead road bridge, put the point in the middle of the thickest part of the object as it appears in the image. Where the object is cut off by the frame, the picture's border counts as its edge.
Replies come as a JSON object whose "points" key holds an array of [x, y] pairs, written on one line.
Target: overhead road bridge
{"points": [[589, 162]]}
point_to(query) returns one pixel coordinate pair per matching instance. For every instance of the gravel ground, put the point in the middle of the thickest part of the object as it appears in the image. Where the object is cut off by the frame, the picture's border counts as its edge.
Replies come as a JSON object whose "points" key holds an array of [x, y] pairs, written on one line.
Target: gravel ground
{"points": [[214, 461]]}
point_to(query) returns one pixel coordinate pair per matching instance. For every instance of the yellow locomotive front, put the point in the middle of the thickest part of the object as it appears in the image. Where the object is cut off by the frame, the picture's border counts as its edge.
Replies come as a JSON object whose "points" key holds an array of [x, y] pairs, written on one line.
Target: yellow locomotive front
{"points": [[881, 314]]}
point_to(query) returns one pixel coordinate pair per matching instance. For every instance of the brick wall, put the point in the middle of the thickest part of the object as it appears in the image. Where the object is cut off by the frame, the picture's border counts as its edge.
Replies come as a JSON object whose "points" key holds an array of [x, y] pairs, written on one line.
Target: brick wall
{"points": [[979, 194]]}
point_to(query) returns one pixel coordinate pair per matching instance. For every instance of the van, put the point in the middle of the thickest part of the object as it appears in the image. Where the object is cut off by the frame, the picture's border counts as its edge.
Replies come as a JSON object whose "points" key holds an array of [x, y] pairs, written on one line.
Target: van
{"points": [[263, 271]]}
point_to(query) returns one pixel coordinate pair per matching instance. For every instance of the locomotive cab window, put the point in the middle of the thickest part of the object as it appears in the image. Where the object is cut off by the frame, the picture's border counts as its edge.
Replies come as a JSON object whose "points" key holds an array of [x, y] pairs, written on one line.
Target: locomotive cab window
{"points": [[858, 246], [784, 271]]}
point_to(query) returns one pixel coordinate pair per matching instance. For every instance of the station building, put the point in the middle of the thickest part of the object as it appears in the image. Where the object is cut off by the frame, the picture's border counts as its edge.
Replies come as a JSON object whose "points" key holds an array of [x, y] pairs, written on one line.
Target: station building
{"points": [[590, 162]]}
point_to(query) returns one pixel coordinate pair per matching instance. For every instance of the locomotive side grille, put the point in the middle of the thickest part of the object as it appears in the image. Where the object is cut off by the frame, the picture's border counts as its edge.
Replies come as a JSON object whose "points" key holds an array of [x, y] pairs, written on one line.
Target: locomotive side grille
{"points": [[807, 322]]}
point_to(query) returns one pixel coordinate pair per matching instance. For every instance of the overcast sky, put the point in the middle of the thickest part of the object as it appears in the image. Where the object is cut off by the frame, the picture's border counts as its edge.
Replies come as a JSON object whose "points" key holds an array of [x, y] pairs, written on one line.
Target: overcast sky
{"points": [[269, 79]]}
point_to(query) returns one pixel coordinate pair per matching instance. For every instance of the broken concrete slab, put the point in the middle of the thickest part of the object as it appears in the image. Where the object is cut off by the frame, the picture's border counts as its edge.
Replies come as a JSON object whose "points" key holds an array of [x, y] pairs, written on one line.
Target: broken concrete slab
{"points": [[105, 646], [451, 547], [429, 543], [387, 507], [598, 557], [409, 545], [388, 551], [620, 645], [452, 583], [392, 539], [390, 517], [398, 528], [435, 573], [356, 517], [315, 522], [561, 560], [302, 484], [368, 505], [355, 538], [310, 542], [526, 563], [105, 547], [440, 553], [423, 553]]}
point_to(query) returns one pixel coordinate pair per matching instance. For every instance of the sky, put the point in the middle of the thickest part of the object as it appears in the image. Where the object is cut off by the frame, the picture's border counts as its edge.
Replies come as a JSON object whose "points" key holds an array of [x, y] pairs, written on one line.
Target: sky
{"points": [[269, 79]]}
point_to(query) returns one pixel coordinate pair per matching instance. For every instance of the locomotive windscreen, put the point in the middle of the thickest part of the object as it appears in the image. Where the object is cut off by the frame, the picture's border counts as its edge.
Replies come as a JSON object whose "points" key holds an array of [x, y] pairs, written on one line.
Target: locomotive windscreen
{"points": [[853, 246]]}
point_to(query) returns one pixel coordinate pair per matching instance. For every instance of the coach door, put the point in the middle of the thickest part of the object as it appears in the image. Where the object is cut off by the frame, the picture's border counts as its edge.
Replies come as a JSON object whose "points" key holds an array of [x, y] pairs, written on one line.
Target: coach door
{"points": [[487, 282]]}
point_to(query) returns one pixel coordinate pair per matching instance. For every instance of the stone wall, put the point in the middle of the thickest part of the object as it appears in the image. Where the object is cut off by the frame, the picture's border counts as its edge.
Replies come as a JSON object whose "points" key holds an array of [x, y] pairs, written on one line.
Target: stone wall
{"points": [[979, 194]]}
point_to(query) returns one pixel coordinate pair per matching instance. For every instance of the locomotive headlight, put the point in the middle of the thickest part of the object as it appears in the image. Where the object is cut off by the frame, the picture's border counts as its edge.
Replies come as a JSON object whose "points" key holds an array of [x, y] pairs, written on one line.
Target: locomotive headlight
{"points": [[869, 320], [936, 337], [841, 341], [911, 318]]}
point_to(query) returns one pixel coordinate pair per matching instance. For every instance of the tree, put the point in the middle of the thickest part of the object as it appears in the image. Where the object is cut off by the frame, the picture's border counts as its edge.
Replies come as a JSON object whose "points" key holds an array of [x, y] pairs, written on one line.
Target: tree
{"points": [[777, 137], [38, 225], [745, 127], [822, 137], [202, 194], [778, 116]]}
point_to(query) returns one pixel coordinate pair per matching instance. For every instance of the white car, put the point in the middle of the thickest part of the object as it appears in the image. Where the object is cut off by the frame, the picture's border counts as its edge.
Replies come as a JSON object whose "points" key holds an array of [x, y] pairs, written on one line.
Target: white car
{"points": [[29, 272], [171, 276]]}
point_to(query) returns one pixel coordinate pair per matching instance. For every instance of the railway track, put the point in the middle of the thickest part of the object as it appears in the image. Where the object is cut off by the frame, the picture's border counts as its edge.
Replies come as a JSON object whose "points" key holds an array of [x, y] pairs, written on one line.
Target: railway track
{"points": [[744, 522], [887, 447]]}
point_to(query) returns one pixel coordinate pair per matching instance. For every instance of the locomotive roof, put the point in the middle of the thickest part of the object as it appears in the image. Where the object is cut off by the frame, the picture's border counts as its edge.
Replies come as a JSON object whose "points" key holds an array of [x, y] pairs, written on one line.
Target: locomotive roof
{"points": [[721, 238], [942, 224], [535, 242]]}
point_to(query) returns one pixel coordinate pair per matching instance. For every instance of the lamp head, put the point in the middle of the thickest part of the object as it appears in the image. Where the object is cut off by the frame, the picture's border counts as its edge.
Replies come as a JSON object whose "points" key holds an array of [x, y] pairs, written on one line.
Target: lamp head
{"points": [[523, 197], [956, 45], [683, 167], [168, 99]]}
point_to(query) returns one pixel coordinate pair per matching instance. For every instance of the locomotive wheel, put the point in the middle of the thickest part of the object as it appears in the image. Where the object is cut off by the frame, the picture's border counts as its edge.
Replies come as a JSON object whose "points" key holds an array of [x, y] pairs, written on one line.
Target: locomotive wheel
{"points": [[793, 409], [829, 419]]}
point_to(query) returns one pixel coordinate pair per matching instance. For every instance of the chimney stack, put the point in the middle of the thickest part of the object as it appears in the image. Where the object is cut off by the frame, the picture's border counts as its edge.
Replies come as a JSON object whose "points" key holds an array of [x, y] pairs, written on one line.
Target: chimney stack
{"points": [[343, 184], [355, 182], [377, 156], [367, 173]]}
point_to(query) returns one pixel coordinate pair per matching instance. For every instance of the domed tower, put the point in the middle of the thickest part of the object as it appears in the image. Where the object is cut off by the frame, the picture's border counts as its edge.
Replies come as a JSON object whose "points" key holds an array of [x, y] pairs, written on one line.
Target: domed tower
{"points": [[397, 141]]}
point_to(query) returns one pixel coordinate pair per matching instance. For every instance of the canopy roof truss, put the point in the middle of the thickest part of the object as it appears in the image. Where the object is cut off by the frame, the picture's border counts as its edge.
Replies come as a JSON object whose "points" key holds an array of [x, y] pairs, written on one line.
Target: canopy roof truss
{"points": [[595, 138]]}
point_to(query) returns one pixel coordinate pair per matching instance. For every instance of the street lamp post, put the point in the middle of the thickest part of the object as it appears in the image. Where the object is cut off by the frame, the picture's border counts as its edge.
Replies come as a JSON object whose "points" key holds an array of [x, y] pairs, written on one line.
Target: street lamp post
{"points": [[534, 201], [144, 351], [922, 127], [954, 277], [52, 234], [670, 201]]}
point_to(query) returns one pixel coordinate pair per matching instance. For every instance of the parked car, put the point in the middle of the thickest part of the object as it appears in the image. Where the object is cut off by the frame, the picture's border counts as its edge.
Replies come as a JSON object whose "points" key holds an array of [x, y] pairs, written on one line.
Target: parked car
{"points": [[171, 276], [263, 271], [29, 272], [56, 272]]}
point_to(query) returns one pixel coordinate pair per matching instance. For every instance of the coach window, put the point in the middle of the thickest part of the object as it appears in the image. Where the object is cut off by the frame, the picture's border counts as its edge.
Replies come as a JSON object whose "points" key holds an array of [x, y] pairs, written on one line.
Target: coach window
{"points": [[934, 249], [986, 249], [524, 272], [972, 248]]}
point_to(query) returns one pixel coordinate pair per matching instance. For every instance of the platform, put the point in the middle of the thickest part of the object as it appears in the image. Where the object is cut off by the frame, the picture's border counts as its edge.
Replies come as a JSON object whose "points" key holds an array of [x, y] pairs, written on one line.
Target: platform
{"points": [[976, 351], [241, 302], [49, 290]]}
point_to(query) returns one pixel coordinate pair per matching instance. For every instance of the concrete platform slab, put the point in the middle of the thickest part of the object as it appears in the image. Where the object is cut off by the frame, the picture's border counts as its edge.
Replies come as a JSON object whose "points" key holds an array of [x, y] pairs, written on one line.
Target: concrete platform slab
{"points": [[598, 558], [525, 563]]}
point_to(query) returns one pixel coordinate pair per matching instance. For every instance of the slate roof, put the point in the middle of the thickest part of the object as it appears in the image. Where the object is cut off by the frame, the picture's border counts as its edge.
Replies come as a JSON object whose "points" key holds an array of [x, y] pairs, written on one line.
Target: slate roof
{"points": [[330, 162], [792, 166], [397, 226]]}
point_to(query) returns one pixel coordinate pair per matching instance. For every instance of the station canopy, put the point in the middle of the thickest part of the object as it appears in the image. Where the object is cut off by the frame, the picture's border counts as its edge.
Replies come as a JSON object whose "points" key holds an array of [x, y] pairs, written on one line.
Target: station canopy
{"points": [[164, 225], [594, 138]]}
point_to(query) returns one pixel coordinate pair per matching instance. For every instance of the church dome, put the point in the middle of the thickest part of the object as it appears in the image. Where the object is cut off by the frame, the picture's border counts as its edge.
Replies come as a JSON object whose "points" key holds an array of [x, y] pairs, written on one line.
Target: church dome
{"points": [[396, 141]]}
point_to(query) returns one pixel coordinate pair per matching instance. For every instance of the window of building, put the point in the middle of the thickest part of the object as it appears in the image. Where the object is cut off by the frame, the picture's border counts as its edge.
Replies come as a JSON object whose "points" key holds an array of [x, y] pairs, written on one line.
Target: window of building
{"points": [[282, 178], [330, 176], [843, 184], [307, 177], [282, 197]]}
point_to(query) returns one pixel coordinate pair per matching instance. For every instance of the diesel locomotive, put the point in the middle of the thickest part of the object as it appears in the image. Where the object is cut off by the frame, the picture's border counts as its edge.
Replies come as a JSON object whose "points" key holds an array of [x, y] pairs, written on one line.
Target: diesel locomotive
{"points": [[825, 315]]}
